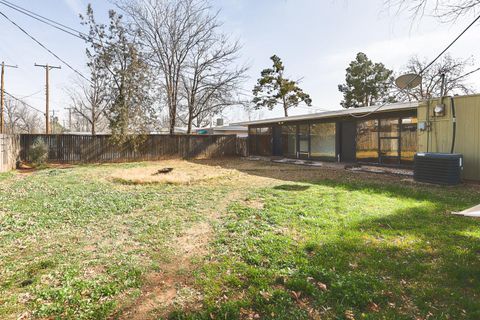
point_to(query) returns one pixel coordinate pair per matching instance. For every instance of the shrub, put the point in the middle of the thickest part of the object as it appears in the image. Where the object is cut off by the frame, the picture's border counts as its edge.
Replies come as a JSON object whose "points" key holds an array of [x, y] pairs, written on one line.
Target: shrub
{"points": [[38, 153]]}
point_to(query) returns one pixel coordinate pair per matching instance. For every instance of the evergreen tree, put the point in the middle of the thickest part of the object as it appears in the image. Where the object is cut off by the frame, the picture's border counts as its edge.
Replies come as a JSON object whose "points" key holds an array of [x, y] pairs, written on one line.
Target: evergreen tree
{"points": [[366, 83], [273, 89]]}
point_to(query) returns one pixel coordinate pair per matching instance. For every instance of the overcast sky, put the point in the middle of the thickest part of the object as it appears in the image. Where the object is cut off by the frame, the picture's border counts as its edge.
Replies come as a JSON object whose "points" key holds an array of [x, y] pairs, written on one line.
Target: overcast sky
{"points": [[316, 39]]}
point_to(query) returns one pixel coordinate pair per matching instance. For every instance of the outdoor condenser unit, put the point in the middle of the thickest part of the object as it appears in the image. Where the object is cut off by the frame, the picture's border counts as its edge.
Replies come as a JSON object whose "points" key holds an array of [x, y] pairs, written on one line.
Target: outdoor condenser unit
{"points": [[438, 168]]}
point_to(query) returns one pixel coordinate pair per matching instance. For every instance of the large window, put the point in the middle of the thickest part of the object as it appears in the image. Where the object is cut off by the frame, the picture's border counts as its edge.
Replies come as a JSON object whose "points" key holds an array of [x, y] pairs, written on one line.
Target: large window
{"points": [[387, 140], [260, 141], [289, 140], [367, 141], [322, 140]]}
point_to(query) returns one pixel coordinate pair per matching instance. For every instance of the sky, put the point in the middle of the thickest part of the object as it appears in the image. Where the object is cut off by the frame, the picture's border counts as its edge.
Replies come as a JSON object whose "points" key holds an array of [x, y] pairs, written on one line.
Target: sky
{"points": [[315, 39]]}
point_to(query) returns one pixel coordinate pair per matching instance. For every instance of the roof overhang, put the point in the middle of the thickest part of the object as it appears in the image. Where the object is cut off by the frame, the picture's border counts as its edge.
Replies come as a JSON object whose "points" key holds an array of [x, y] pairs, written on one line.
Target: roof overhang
{"points": [[336, 114]]}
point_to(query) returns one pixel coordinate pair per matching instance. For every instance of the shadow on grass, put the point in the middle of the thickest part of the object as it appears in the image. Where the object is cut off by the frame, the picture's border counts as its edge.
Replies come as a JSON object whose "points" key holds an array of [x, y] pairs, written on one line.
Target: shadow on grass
{"points": [[414, 262], [292, 187]]}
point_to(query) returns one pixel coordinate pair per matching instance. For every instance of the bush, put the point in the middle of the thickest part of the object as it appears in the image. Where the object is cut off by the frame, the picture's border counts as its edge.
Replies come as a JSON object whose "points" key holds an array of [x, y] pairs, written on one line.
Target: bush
{"points": [[38, 153]]}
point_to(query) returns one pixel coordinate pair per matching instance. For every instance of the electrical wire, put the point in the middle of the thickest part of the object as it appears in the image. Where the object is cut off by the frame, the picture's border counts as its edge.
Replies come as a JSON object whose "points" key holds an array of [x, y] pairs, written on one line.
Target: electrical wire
{"points": [[32, 94], [423, 70], [466, 74], [45, 20], [23, 102], [44, 47]]}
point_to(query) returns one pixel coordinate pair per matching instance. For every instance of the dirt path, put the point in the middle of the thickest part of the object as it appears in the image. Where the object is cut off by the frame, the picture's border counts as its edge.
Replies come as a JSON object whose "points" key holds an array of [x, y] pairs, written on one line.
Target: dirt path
{"points": [[162, 290]]}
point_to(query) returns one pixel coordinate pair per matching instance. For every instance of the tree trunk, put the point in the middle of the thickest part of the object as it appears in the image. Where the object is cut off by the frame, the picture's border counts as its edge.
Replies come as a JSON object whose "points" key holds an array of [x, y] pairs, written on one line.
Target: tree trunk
{"points": [[93, 120], [285, 107], [189, 125]]}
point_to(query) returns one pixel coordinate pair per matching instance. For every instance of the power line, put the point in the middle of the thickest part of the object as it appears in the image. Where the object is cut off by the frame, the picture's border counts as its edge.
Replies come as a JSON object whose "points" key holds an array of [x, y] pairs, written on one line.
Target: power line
{"points": [[466, 74], [423, 70], [44, 20], [23, 102], [44, 47], [32, 94]]}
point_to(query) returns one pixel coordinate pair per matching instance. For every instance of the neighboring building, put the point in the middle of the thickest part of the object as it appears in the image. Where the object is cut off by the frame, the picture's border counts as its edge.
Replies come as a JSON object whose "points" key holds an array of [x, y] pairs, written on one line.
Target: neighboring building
{"points": [[177, 130], [239, 131], [387, 135]]}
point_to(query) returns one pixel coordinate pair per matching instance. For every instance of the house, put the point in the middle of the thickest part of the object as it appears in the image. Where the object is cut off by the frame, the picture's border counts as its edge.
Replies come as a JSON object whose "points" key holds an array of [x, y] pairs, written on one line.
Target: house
{"points": [[383, 135]]}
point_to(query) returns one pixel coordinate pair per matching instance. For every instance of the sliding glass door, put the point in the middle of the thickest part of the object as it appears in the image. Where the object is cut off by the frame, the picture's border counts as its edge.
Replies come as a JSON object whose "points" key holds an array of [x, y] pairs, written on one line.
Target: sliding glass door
{"points": [[303, 141], [387, 140]]}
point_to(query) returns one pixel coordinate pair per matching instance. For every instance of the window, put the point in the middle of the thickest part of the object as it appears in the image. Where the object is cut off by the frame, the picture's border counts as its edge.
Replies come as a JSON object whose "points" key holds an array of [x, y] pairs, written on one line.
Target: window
{"points": [[289, 140], [303, 149], [322, 140], [408, 139], [367, 141], [390, 140]]}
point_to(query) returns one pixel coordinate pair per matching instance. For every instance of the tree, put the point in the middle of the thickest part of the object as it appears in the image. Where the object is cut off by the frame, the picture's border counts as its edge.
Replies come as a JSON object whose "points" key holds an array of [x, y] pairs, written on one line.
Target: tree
{"points": [[90, 102], [20, 119], [431, 85], [274, 89], [448, 10], [367, 83], [210, 82], [169, 32], [116, 61]]}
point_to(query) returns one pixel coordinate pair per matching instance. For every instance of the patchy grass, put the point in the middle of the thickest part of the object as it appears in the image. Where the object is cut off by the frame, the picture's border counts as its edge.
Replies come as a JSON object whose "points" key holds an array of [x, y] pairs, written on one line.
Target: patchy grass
{"points": [[286, 242], [346, 249]]}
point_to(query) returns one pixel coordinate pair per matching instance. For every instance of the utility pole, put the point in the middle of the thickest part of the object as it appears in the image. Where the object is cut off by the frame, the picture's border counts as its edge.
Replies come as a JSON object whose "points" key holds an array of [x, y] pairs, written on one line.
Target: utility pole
{"points": [[47, 93], [69, 118], [2, 96]]}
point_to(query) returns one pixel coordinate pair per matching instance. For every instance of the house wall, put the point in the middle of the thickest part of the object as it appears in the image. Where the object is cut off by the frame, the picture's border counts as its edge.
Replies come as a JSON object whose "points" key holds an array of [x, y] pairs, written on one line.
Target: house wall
{"points": [[439, 135]]}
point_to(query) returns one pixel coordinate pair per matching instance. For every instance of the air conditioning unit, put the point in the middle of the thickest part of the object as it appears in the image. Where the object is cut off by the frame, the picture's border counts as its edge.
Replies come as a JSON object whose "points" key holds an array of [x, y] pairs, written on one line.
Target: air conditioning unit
{"points": [[438, 168]]}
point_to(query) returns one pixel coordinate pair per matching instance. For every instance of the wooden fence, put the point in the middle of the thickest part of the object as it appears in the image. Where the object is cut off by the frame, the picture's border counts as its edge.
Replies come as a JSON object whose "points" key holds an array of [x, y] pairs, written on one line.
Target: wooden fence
{"points": [[97, 149], [9, 151]]}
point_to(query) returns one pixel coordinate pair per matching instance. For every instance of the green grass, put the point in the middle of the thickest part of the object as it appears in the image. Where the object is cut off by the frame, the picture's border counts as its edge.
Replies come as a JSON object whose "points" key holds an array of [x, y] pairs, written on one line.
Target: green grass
{"points": [[74, 244], [334, 250]]}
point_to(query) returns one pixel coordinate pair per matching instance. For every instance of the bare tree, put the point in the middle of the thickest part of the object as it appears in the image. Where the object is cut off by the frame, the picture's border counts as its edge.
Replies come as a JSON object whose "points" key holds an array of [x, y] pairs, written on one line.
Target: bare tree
{"points": [[211, 79], [90, 102], [431, 85], [448, 10], [20, 119], [170, 31]]}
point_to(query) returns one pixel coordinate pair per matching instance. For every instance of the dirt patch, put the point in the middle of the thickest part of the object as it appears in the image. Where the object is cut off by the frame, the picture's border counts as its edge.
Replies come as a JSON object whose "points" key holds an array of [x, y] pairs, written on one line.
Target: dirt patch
{"points": [[162, 288], [183, 172]]}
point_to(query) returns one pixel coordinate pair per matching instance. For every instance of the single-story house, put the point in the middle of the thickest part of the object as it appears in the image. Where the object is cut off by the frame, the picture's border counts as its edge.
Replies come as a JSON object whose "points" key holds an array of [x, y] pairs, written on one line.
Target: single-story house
{"points": [[382, 135]]}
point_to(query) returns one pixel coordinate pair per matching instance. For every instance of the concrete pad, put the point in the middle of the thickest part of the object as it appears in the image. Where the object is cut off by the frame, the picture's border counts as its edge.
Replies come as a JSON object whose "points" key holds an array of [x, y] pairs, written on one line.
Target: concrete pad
{"points": [[472, 212]]}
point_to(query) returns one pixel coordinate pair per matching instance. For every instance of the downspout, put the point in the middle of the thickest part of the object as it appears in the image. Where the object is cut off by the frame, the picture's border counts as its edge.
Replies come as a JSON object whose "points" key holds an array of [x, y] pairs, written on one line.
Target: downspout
{"points": [[428, 125], [454, 123]]}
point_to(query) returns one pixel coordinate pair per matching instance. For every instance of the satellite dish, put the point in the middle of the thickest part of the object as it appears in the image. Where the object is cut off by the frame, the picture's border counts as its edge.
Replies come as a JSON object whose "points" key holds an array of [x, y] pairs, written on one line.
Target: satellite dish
{"points": [[408, 81]]}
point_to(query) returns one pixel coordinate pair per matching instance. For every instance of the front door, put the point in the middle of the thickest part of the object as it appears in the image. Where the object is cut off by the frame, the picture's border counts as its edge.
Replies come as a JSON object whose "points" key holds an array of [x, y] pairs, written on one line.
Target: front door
{"points": [[303, 141], [348, 146]]}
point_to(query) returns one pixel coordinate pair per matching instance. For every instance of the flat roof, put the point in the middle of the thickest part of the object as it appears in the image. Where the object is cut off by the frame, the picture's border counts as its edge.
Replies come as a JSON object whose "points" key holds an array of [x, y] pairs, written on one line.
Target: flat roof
{"points": [[335, 113]]}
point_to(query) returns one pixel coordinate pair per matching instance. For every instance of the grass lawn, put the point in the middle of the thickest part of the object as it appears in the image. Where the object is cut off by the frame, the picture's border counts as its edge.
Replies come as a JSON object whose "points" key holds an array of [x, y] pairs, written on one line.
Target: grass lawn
{"points": [[234, 239]]}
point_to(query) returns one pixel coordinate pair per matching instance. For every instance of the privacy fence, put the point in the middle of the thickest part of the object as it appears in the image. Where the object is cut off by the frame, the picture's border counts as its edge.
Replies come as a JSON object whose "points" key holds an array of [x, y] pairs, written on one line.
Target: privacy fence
{"points": [[9, 151], [100, 148]]}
